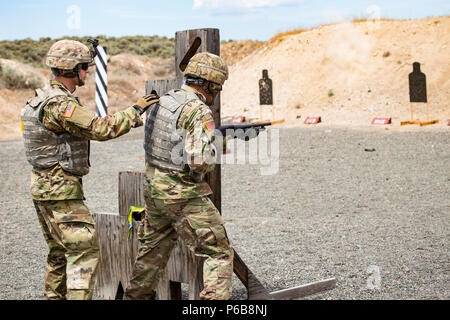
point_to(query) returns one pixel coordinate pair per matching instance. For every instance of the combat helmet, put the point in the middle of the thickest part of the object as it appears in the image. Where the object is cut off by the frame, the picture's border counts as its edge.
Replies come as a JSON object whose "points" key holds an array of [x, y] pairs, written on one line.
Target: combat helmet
{"points": [[67, 54], [208, 66], [66, 57]]}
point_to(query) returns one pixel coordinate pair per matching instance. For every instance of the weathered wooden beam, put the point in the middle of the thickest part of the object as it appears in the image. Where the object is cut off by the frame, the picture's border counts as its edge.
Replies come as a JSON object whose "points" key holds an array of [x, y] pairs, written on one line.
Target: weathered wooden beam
{"points": [[131, 193], [255, 290], [114, 253], [304, 290], [160, 86], [210, 42]]}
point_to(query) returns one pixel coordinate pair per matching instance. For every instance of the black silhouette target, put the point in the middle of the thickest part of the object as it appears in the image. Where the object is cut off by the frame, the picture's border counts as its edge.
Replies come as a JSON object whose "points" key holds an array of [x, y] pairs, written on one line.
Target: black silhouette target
{"points": [[417, 85], [265, 89]]}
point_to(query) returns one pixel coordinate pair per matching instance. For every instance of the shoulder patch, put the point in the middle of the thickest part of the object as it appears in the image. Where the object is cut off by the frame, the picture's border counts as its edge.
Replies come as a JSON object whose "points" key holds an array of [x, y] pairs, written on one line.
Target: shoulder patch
{"points": [[210, 125], [69, 110]]}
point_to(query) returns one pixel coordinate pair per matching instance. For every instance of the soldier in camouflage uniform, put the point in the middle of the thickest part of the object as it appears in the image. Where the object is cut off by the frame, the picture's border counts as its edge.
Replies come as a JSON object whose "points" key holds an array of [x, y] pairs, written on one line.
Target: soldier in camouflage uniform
{"points": [[57, 130], [175, 192]]}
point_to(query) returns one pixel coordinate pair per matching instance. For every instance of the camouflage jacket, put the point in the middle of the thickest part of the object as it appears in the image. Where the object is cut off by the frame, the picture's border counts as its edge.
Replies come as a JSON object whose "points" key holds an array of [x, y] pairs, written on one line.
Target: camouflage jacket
{"points": [[55, 183], [197, 119]]}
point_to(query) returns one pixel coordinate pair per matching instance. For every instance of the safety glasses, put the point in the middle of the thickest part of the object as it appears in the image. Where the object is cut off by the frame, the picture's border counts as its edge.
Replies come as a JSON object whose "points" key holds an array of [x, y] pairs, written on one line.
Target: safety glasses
{"points": [[84, 66]]}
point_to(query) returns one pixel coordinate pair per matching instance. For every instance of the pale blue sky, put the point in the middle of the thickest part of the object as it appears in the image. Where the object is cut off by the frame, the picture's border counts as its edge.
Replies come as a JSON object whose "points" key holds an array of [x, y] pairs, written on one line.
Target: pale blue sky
{"points": [[236, 19]]}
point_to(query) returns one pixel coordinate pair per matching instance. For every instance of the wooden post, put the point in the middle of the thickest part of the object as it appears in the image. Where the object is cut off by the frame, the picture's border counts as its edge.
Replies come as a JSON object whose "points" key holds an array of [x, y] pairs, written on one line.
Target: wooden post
{"points": [[117, 253], [111, 271], [184, 266]]}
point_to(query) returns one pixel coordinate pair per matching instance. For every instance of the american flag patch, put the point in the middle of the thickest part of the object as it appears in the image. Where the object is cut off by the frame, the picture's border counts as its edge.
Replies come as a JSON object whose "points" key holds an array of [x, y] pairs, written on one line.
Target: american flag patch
{"points": [[69, 110], [210, 125]]}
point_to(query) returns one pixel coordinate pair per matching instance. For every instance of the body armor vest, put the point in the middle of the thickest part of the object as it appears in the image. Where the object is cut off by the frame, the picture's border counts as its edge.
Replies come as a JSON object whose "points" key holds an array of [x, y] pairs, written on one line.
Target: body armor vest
{"points": [[164, 144], [44, 148]]}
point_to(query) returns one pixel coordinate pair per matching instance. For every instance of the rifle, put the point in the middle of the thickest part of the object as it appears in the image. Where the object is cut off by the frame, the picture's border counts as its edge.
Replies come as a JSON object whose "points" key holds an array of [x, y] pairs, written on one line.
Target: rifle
{"points": [[243, 131]]}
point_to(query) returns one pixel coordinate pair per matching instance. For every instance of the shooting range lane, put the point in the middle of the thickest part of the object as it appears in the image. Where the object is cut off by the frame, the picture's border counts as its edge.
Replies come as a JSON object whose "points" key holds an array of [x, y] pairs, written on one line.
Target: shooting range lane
{"points": [[333, 209]]}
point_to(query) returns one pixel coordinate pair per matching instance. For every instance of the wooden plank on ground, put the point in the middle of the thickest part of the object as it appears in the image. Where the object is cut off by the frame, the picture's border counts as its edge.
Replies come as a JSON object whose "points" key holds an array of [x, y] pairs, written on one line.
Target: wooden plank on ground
{"points": [[304, 290]]}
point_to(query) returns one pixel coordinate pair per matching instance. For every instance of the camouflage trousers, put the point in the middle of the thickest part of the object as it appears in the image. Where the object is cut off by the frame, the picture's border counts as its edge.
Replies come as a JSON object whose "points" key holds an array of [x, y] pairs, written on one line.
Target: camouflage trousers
{"points": [[73, 255], [199, 224]]}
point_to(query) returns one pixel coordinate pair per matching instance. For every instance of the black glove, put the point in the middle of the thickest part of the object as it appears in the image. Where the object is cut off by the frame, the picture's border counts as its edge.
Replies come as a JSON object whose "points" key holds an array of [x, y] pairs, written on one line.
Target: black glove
{"points": [[138, 215], [145, 102]]}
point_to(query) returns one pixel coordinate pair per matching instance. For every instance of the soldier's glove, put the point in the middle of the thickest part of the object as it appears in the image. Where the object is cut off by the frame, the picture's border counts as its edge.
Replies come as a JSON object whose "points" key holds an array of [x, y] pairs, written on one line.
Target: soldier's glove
{"points": [[145, 102]]}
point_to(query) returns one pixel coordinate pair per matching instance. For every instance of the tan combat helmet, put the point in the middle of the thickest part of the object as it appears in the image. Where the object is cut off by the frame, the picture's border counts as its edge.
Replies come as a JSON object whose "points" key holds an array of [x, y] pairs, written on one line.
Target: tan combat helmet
{"points": [[207, 66], [67, 54]]}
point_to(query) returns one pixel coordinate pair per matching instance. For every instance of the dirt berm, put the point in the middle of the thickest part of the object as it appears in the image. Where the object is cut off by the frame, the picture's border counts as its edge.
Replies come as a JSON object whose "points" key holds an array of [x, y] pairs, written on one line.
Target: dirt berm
{"points": [[346, 73]]}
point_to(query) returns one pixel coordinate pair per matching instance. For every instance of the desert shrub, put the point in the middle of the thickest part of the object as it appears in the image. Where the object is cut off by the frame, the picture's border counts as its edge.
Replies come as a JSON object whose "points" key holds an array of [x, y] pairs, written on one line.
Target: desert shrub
{"points": [[11, 79], [160, 71], [33, 52]]}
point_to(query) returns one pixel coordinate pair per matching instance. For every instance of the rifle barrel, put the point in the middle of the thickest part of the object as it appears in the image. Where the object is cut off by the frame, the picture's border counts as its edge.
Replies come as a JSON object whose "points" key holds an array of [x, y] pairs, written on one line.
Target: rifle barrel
{"points": [[244, 126]]}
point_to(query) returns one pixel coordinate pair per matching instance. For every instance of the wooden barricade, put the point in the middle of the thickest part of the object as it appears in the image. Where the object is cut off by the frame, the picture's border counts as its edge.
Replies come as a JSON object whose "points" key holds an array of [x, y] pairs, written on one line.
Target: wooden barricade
{"points": [[117, 253], [117, 256]]}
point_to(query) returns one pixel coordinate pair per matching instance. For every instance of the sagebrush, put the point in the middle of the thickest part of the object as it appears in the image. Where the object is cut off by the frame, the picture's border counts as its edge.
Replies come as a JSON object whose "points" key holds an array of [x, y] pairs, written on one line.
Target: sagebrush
{"points": [[12, 79], [33, 51]]}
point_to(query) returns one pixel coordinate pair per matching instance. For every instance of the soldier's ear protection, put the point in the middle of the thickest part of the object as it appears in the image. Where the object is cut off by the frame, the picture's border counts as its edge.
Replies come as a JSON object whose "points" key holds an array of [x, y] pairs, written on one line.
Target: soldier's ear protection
{"points": [[211, 88], [214, 87], [195, 81]]}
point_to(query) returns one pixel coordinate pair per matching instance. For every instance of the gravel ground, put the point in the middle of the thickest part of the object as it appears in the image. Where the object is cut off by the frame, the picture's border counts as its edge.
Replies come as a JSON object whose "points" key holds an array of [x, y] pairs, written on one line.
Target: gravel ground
{"points": [[333, 209]]}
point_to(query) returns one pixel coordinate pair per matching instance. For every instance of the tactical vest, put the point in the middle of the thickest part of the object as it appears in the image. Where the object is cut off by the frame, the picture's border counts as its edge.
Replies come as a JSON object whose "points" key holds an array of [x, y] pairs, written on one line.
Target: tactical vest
{"points": [[44, 148], [163, 144]]}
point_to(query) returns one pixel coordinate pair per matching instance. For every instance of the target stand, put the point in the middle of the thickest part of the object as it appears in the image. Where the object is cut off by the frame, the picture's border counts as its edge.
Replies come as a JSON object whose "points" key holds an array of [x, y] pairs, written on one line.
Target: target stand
{"points": [[418, 94]]}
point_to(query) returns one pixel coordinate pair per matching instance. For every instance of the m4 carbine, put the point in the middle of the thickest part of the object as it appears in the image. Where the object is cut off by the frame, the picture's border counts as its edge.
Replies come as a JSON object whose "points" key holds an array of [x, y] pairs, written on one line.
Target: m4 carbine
{"points": [[243, 131]]}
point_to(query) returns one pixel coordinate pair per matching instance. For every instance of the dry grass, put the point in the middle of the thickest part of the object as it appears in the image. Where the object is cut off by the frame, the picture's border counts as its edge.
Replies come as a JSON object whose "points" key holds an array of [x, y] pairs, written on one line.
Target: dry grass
{"points": [[234, 51], [280, 36], [369, 20]]}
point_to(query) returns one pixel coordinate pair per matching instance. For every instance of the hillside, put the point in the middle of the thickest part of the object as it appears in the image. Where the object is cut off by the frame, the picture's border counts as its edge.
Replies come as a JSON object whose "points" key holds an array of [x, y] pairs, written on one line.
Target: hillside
{"points": [[347, 73], [127, 75]]}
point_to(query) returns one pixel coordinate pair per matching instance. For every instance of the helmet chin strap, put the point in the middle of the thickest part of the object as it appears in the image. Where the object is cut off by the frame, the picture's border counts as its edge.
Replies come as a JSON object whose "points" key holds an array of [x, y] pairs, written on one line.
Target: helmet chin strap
{"points": [[80, 81], [74, 73]]}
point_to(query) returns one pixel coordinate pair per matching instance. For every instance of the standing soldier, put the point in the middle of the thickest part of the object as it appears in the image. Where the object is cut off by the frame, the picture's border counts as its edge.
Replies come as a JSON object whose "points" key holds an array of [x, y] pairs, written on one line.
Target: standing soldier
{"points": [[57, 130], [178, 151]]}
